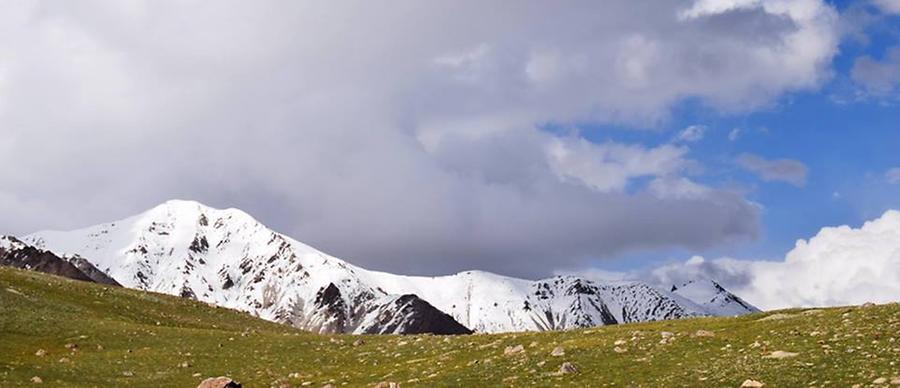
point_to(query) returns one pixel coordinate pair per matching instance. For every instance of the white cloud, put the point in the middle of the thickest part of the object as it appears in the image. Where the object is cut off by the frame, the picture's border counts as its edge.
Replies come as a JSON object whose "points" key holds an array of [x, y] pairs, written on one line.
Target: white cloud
{"points": [[734, 134], [334, 119], [888, 6], [839, 266], [784, 170], [892, 176], [609, 166], [692, 133]]}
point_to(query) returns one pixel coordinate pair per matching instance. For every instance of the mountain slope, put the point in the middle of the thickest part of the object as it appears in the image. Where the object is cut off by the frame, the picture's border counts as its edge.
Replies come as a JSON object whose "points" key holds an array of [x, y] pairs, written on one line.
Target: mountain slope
{"points": [[132, 338], [228, 258], [17, 254]]}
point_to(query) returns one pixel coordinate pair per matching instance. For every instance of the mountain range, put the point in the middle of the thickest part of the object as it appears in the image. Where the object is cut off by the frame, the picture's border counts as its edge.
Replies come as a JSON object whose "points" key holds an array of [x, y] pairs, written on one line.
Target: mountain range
{"points": [[227, 258]]}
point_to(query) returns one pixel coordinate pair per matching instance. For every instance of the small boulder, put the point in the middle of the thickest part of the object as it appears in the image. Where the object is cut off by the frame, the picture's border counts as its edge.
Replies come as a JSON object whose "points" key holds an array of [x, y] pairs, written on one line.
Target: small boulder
{"points": [[40, 353], [359, 342], [64, 360], [71, 346], [219, 382], [568, 367], [779, 354], [513, 350], [704, 333], [752, 384], [37, 380], [880, 380], [558, 351], [387, 384]]}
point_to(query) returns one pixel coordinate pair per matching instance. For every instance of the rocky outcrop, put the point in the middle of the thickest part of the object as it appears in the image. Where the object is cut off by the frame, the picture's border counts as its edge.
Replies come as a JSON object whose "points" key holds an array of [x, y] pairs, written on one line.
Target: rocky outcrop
{"points": [[14, 253]]}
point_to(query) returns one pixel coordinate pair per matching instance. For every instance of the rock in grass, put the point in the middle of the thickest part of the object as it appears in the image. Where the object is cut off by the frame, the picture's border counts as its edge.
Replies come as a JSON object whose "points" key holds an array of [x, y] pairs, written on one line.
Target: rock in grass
{"points": [[895, 380], [37, 380], [219, 382], [386, 384], [752, 384], [40, 353], [568, 367], [512, 350], [779, 354], [558, 351], [704, 333]]}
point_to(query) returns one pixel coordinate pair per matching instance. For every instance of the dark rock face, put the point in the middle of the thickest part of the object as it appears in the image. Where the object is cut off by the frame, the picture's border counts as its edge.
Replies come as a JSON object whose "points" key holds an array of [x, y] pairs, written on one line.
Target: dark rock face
{"points": [[409, 314], [330, 302], [21, 255], [92, 272], [15, 253]]}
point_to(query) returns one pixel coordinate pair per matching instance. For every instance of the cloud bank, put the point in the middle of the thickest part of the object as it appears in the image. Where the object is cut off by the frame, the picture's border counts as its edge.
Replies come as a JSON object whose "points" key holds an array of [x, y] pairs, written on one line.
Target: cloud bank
{"points": [[404, 138], [839, 266]]}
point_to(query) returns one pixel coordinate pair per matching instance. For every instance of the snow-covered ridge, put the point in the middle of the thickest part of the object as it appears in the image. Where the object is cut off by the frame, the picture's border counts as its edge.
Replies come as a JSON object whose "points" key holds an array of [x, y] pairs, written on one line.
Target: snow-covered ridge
{"points": [[228, 258]]}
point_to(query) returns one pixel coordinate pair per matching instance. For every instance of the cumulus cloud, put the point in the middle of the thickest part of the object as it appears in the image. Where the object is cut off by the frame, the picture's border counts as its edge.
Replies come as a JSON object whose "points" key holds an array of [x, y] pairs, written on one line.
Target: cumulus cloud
{"points": [[878, 77], [784, 170], [403, 138], [839, 266]]}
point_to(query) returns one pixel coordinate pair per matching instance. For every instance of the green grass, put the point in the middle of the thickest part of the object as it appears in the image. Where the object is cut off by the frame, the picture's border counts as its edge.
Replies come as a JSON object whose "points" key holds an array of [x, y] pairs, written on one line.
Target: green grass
{"points": [[149, 336]]}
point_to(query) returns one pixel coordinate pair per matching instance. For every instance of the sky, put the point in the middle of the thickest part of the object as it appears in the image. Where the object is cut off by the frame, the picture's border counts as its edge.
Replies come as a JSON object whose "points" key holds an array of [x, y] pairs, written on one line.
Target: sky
{"points": [[525, 138]]}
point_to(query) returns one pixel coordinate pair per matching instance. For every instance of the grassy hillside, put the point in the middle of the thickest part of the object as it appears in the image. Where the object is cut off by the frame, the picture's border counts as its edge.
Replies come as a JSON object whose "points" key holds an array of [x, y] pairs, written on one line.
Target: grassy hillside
{"points": [[133, 338]]}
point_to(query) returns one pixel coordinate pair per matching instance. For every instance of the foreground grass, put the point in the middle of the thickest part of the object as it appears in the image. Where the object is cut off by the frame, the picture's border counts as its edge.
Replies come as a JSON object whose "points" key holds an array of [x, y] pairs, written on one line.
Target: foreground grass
{"points": [[131, 338]]}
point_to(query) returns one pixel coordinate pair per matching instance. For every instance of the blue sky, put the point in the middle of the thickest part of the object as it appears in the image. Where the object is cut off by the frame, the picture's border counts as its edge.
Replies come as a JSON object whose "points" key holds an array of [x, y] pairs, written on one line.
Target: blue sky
{"points": [[847, 141]]}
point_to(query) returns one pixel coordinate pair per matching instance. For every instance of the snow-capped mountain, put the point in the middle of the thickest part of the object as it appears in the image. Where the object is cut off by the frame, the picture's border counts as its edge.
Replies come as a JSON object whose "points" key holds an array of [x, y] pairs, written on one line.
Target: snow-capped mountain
{"points": [[228, 258], [714, 298]]}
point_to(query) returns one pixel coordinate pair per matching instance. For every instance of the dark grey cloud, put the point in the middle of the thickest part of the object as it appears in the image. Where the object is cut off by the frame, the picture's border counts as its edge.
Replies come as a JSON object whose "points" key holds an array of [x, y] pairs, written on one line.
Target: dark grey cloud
{"points": [[783, 170], [402, 138]]}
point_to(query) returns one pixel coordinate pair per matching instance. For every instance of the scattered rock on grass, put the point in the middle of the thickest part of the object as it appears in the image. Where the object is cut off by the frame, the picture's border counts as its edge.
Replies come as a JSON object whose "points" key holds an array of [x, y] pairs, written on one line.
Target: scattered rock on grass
{"points": [[704, 333], [779, 354], [40, 353], [880, 380], [219, 382], [358, 342], [752, 384], [558, 351], [512, 350], [776, 317], [37, 380], [386, 384], [567, 367]]}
